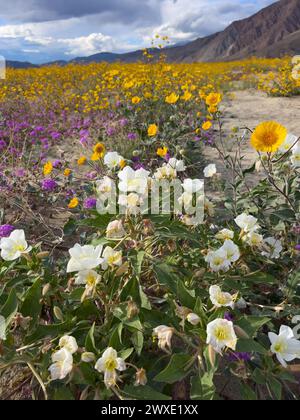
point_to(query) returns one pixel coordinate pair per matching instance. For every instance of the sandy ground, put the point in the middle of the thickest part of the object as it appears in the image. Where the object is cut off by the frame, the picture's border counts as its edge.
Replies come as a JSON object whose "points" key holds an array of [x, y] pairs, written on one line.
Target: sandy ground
{"points": [[251, 107]]}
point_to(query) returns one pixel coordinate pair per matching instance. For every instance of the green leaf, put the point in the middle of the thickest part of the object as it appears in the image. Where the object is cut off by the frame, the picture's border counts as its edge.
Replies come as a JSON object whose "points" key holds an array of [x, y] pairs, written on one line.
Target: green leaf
{"points": [[54, 330], [124, 354], [203, 388], [131, 289], [137, 339], [137, 263], [275, 386], [10, 308], [250, 346], [177, 369], [90, 340], [166, 276], [251, 324], [145, 393], [31, 304], [247, 393], [186, 297], [63, 394]]}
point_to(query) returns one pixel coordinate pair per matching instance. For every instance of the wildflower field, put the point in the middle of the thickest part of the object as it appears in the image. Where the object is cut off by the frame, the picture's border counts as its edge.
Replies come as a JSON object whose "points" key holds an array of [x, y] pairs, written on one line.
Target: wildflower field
{"points": [[109, 291]]}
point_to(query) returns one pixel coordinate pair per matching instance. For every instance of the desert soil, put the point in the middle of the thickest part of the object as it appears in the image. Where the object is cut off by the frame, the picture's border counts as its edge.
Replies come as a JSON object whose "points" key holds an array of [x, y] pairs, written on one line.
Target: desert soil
{"points": [[248, 108]]}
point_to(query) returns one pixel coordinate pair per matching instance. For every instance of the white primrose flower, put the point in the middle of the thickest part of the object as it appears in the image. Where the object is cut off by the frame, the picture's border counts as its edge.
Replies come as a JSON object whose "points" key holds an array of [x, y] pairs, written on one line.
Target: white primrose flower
{"points": [[210, 170], [288, 143], [165, 172], [14, 246], [132, 202], [218, 260], [2, 328], [273, 248], [232, 251], [176, 164], [225, 234], [111, 258], [285, 345], [164, 335], [69, 343], [253, 239], [104, 186], [115, 230], [112, 160], [193, 319], [209, 207], [296, 156], [133, 181], [192, 186], [220, 299], [108, 364], [90, 278], [62, 364], [84, 258], [247, 222], [221, 334]]}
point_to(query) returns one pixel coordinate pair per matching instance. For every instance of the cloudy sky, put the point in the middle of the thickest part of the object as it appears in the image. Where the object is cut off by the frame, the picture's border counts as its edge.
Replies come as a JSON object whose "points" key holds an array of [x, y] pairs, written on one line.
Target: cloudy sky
{"points": [[44, 30]]}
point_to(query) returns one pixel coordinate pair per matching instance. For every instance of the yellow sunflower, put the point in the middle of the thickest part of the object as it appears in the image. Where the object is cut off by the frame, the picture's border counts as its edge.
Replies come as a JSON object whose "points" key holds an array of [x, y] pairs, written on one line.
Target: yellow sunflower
{"points": [[268, 136]]}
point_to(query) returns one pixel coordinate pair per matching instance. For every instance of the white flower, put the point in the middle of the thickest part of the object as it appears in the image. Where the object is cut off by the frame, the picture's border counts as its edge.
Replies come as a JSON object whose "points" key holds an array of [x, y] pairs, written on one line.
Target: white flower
{"points": [[104, 186], [176, 164], [14, 246], [164, 335], [115, 230], [112, 160], [132, 202], [133, 181], [69, 343], [186, 200], [247, 222], [221, 334], [296, 156], [192, 186], [165, 172], [84, 258], [225, 234], [111, 258], [90, 278], [218, 260], [193, 319], [2, 328], [108, 364], [273, 248], [232, 251], [88, 357], [285, 345], [62, 364], [288, 143], [210, 170], [220, 299], [253, 239]]}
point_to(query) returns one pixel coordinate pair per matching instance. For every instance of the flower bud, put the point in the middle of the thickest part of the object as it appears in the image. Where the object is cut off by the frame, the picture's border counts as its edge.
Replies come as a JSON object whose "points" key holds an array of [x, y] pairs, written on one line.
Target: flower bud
{"points": [[88, 357], [132, 310], [46, 289], [58, 313], [140, 378], [42, 255], [193, 319]]}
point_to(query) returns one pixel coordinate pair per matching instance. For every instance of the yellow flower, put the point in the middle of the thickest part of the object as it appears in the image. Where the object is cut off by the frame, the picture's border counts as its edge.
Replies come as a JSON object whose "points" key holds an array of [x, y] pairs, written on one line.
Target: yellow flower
{"points": [[162, 151], [123, 163], [212, 109], [67, 172], [213, 99], [73, 203], [136, 100], [268, 136], [198, 131], [172, 99], [81, 161], [206, 125], [199, 114], [187, 96], [48, 168], [152, 130], [99, 151]]}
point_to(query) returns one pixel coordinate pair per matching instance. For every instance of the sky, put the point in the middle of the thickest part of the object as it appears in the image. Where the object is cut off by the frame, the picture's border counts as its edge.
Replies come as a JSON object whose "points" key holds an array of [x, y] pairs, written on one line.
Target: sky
{"points": [[40, 31]]}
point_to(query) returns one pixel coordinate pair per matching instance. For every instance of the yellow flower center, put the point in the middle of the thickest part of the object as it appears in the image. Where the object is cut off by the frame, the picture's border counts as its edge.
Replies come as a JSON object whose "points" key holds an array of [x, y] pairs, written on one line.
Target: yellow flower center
{"points": [[110, 364], [221, 334]]}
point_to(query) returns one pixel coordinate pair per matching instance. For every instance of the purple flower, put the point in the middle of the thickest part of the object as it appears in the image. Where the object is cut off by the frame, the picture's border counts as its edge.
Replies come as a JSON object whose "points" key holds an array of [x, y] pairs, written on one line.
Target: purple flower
{"points": [[228, 316], [2, 144], [90, 203], [57, 164], [49, 184], [123, 122], [297, 247], [131, 136], [237, 357], [20, 172], [6, 230]]}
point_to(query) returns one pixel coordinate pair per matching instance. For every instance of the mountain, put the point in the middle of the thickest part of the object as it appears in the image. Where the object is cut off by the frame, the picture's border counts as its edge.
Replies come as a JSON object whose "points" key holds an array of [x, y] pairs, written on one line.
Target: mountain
{"points": [[272, 32], [20, 65]]}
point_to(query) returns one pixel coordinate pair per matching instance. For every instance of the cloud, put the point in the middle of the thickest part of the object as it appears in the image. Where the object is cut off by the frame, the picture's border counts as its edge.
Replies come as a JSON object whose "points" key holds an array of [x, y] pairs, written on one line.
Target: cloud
{"points": [[61, 29]]}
